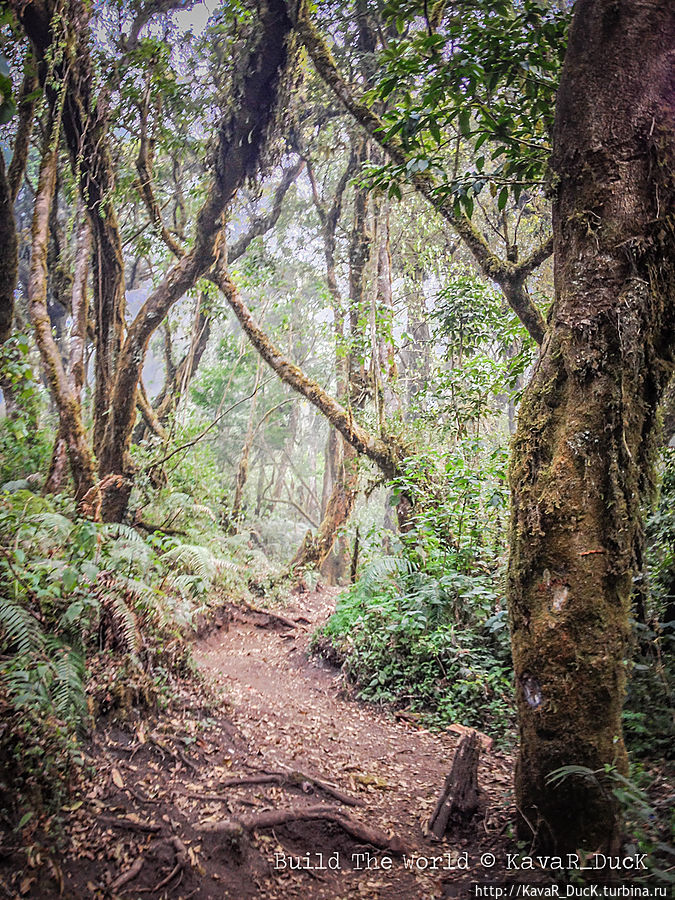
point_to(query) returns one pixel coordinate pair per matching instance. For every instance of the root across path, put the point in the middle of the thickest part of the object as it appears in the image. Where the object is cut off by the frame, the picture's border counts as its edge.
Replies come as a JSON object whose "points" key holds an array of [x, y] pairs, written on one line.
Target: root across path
{"points": [[284, 786]]}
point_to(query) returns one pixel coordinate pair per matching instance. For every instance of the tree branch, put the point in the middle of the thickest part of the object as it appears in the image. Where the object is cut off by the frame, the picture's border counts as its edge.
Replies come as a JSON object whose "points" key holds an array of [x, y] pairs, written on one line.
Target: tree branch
{"points": [[375, 449], [501, 271]]}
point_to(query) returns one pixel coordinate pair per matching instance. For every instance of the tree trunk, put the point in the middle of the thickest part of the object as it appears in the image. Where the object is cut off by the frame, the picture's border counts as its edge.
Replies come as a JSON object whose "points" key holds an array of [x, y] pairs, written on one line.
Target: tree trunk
{"points": [[10, 180], [242, 468], [582, 460], [9, 261], [314, 551], [385, 307], [78, 339], [287, 454], [65, 398]]}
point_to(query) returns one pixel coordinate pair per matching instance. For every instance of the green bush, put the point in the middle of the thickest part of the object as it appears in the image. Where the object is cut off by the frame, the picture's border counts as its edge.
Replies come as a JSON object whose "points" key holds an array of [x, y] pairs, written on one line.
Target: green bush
{"points": [[90, 620], [409, 638]]}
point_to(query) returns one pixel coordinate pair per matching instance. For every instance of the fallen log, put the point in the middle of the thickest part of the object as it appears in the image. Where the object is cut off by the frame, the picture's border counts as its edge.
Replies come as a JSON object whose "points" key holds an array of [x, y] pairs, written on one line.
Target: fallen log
{"points": [[459, 798]]}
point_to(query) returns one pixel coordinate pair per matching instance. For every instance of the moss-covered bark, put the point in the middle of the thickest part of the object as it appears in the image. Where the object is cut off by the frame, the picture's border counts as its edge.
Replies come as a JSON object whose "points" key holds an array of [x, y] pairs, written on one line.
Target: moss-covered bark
{"points": [[9, 263], [71, 427], [582, 454]]}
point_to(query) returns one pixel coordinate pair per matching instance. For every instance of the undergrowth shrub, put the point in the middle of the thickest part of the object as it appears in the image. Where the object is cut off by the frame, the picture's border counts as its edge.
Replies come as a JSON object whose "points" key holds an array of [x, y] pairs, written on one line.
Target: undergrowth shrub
{"points": [[92, 620], [24, 448], [649, 716], [408, 638], [425, 628]]}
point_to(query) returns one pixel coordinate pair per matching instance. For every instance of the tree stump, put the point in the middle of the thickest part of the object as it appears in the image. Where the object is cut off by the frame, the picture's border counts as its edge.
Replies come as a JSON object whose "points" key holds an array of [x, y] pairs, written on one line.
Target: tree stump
{"points": [[459, 797]]}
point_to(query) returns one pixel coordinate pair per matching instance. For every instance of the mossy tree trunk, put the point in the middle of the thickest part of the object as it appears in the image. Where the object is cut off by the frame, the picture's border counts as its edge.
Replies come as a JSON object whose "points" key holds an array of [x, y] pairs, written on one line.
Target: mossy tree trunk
{"points": [[76, 355], [582, 456], [9, 262], [62, 388], [242, 468], [10, 181]]}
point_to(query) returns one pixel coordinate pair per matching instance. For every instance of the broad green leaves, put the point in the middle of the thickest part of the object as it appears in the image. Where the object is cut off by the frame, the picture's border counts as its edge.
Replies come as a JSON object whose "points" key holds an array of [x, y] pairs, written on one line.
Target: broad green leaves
{"points": [[487, 76]]}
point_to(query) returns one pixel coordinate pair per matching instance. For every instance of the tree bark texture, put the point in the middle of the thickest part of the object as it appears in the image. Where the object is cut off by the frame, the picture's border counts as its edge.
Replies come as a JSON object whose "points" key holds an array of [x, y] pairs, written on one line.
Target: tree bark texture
{"points": [[9, 261], [78, 339], [583, 452], [65, 398]]}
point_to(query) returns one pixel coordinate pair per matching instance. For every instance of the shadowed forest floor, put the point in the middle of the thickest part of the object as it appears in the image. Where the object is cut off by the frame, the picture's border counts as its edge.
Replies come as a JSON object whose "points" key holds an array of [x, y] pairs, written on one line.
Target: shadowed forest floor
{"points": [[282, 724]]}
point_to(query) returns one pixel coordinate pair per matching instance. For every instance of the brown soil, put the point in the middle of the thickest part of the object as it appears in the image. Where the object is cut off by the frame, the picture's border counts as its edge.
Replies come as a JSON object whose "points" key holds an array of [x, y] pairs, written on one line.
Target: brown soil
{"points": [[146, 824]]}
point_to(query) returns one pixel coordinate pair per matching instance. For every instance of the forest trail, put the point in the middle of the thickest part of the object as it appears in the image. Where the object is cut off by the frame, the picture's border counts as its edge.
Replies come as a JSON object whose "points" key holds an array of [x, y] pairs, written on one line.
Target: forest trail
{"points": [[146, 824], [295, 715]]}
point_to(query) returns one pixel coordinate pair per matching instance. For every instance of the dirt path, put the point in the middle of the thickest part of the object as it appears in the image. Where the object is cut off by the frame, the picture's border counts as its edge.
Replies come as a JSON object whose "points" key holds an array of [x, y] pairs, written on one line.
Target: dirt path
{"points": [[292, 710], [160, 810]]}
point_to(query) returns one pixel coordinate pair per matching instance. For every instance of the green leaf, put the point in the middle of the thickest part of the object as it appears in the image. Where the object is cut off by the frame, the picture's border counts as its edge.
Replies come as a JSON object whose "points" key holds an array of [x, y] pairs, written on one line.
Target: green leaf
{"points": [[503, 197], [25, 819], [70, 578], [7, 111]]}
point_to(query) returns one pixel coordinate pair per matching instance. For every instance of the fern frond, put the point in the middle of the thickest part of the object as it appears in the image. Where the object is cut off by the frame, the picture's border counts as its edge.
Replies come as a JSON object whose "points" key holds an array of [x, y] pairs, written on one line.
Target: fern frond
{"points": [[131, 556], [195, 559], [206, 510], [118, 530], [187, 585], [382, 568], [139, 590], [67, 689], [52, 525], [123, 621], [22, 630], [127, 623]]}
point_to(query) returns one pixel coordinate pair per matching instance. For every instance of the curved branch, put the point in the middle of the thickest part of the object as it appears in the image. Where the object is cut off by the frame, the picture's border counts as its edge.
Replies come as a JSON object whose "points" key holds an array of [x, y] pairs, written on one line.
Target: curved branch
{"points": [[381, 453]]}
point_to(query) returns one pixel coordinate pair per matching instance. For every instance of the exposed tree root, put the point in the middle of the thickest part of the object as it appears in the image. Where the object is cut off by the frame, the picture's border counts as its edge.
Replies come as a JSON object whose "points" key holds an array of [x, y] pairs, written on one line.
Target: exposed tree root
{"points": [[181, 862], [275, 617], [133, 872], [235, 827], [292, 778], [128, 824]]}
